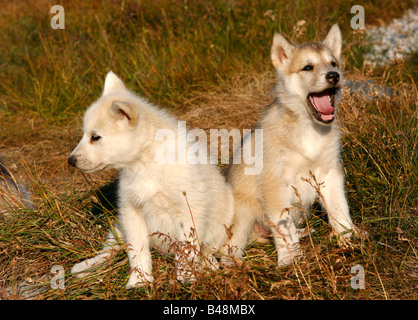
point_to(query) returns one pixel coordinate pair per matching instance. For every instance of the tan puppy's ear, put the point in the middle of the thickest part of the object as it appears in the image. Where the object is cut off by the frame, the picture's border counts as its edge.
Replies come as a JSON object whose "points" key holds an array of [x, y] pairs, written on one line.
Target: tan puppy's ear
{"points": [[281, 50], [112, 83], [123, 111], [334, 41]]}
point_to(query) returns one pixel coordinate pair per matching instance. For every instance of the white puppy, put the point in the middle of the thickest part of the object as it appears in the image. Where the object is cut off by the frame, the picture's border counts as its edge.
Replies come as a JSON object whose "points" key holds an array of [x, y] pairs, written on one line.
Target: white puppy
{"points": [[190, 204]]}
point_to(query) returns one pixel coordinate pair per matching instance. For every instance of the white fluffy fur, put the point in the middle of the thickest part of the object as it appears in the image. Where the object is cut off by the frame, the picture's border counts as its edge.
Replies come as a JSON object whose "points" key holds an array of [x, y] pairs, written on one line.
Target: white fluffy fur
{"points": [[152, 199]]}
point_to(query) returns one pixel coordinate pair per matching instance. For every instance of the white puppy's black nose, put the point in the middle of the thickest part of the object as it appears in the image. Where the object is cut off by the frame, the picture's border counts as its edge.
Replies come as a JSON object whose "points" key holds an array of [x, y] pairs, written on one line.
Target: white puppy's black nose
{"points": [[333, 77], [72, 160]]}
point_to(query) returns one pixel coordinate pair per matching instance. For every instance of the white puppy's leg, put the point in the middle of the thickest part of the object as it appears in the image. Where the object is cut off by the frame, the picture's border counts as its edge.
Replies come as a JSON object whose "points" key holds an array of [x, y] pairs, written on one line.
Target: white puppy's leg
{"points": [[137, 238], [79, 269], [211, 261], [335, 203], [187, 253], [184, 265]]}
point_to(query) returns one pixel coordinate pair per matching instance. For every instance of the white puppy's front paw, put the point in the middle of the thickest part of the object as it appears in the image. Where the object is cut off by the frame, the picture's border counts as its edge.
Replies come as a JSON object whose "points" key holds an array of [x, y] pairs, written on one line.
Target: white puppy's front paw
{"points": [[139, 280], [185, 276], [345, 233], [82, 269]]}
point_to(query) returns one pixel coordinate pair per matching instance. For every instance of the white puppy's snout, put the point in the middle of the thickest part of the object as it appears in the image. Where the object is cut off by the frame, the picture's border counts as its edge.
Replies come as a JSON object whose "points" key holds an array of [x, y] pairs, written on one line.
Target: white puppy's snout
{"points": [[72, 160]]}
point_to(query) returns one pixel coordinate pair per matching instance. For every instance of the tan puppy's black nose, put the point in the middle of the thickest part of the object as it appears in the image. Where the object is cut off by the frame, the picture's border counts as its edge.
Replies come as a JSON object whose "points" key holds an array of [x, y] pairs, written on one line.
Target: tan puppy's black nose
{"points": [[72, 160], [333, 77]]}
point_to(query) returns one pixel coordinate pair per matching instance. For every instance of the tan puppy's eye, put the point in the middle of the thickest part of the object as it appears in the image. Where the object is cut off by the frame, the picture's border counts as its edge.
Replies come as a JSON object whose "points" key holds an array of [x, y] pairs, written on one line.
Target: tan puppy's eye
{"points": [[308, 68]]}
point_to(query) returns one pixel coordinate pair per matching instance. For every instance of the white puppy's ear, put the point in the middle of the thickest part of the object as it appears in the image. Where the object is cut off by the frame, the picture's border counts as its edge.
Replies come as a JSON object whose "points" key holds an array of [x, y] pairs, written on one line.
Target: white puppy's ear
{"points": [[334, 41], [112, 83], [123, 111], [281, 50]]}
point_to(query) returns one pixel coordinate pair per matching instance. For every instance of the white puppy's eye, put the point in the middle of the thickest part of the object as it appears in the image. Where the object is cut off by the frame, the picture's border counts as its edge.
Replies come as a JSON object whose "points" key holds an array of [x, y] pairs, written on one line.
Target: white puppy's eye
{"points": [[333, 64], [95, 137]]}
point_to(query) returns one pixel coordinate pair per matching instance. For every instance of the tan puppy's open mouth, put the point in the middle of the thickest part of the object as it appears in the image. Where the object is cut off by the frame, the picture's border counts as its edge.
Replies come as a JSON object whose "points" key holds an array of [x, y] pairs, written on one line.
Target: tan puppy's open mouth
{"points": [[322, 104]]}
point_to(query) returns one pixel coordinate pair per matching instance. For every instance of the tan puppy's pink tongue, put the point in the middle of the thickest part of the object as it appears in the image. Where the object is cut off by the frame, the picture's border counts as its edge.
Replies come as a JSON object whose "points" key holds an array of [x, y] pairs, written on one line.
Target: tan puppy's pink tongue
{"points": [[322, 103]]}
